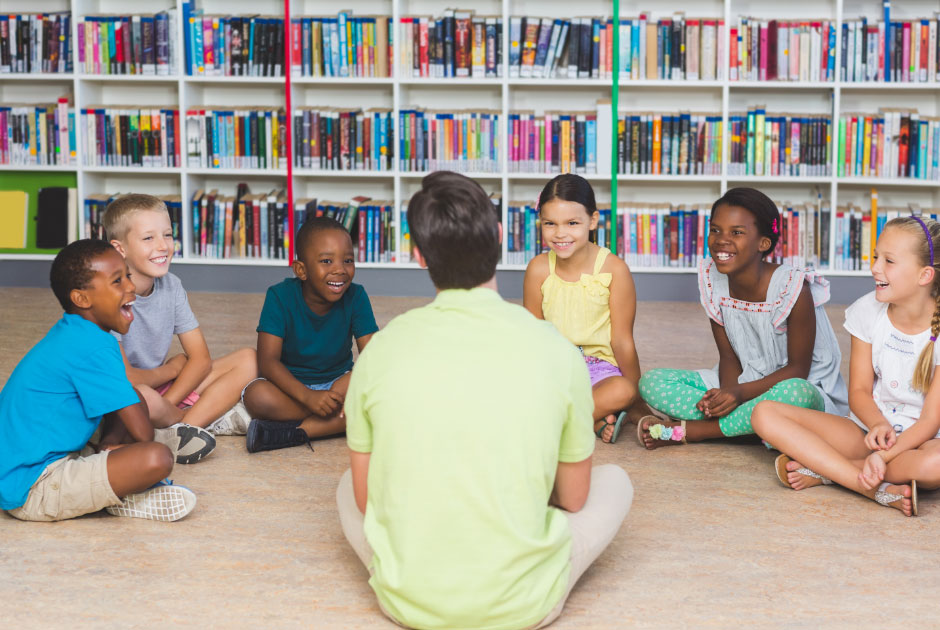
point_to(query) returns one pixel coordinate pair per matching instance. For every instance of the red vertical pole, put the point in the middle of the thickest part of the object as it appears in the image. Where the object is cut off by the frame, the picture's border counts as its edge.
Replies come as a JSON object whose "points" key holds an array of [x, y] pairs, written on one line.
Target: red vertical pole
{"points": [[289, 116]]}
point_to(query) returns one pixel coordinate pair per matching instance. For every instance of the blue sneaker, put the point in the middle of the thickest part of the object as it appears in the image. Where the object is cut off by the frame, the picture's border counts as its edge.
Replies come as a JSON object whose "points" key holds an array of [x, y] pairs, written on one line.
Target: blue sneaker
{"points": [[268, 435], [163, 501]]}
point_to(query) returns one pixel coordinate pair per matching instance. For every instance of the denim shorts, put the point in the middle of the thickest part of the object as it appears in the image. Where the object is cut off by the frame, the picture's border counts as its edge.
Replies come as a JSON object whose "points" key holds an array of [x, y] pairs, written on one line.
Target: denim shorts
{"points": [[317, 387]]}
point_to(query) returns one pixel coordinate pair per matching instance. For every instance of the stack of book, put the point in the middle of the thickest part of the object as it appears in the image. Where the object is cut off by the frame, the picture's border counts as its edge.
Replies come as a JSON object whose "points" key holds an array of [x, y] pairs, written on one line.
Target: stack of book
{"points": [[128, 44], [887, 50], [130, 136], [328, 138], [856, 228], [783, 50], [35, 42], [462, 141], [787, 145], [684, 143], [554, 142], [43, 135], [892, 143], [248, 138], [662, 234], [671, 49], [232, 45], [341, 46], [370, 222], [458, 44], [242, 225], [95, 205], [523, 233]]}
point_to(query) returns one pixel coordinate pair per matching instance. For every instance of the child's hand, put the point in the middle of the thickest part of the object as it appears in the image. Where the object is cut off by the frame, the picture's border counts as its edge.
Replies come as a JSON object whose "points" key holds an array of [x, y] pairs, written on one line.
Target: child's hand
{"points": [[177, 363], [873, 472], [717, 403], [881, 438], [324, 403]]}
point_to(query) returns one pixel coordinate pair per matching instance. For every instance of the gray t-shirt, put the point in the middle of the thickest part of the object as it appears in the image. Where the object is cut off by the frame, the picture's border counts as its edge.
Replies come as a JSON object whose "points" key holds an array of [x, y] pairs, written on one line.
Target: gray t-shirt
{"points": [[157, 317]]}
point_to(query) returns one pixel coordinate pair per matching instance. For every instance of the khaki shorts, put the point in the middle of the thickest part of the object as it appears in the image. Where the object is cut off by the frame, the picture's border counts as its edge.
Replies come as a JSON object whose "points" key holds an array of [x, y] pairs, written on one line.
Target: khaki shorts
{"points": [[74, 485]]}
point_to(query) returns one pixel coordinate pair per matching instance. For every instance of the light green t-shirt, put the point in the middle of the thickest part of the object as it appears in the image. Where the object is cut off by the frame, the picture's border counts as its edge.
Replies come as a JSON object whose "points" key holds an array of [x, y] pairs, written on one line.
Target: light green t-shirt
{"points": [[467, 406]]}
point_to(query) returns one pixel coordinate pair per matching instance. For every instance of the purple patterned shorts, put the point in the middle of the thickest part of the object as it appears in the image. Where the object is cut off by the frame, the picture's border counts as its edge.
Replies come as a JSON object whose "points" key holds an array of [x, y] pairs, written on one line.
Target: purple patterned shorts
{"points": [[598, 369]]}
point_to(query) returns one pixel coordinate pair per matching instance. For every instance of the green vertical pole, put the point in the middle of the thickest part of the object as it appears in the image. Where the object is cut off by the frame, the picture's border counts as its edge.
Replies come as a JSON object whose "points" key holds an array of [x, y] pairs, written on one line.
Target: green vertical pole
{"points": [[614, 97]]}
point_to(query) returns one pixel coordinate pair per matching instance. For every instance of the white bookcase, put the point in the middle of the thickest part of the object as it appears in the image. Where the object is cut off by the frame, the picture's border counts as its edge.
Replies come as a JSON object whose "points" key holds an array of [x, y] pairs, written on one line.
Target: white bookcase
{"points": [[503, 94]]}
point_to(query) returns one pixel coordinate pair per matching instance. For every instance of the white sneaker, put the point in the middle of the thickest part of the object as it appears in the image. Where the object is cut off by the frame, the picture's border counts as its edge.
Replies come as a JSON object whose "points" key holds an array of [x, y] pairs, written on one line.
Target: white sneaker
{"points": [[234, 422], [161, 502], [188, 443]]}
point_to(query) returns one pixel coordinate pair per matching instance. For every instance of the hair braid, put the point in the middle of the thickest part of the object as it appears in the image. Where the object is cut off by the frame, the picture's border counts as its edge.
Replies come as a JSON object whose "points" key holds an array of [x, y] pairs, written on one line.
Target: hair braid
{"points": [[923, 373]]}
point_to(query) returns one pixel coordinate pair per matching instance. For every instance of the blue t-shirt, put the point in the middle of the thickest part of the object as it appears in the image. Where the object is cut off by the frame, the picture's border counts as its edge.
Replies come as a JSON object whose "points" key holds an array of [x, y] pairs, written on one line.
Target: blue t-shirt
{"points": [[54, 400], [316, 349]]}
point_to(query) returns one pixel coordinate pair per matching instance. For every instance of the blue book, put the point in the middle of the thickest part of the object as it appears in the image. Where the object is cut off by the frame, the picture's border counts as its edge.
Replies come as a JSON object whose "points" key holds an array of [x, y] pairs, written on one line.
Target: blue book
{"points": [[187, 36], [596, 48], [889, 39], [306, 26], [831, 61], [198, 62], [343, 51], [591, 146]]}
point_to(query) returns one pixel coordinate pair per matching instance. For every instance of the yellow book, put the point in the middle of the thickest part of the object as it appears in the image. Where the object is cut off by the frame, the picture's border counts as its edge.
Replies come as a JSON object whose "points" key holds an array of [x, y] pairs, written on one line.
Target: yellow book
{"points": [[14, 208], [866, 147], [565, 145], [646, 238], [874, 221]]}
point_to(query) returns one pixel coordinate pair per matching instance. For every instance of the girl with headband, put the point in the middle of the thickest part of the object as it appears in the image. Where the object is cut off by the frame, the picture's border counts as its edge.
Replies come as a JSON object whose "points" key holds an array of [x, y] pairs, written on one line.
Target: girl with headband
{"points": [[889, 443], [774, 339]]}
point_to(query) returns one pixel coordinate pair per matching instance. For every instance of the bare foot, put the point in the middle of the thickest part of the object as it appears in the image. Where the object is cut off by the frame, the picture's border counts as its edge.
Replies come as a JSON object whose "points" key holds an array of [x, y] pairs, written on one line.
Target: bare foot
{"points": [[643, 431], [904, 503], [799, 481], [608, 426]]}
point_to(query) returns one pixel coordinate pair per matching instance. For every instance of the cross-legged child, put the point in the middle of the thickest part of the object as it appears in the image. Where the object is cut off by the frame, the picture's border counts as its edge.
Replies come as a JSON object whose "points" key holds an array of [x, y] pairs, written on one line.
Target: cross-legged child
{"points": [[890, 444], [187, 392], [305, 342], [589, 297], [774, 339], [54, 401]]}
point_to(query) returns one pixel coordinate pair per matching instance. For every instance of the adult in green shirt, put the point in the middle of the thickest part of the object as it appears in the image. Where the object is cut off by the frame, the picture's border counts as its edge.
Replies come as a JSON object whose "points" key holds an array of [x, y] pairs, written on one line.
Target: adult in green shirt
{"points": [[470, 495]]}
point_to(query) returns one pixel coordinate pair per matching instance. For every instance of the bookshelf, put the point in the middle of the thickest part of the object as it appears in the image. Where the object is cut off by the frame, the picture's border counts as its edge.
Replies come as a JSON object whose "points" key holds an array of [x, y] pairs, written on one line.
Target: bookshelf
{"points": [[503, 95]]}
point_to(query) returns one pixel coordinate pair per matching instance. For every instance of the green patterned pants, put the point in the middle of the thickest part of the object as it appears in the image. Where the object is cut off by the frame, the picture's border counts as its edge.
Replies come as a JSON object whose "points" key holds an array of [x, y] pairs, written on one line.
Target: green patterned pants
{"points": [[675, 393]]}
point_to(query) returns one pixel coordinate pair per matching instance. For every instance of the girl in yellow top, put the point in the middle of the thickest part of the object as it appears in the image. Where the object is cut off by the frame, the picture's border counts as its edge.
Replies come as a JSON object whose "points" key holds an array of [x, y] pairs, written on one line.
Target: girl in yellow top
{"points": [[588, 294]]}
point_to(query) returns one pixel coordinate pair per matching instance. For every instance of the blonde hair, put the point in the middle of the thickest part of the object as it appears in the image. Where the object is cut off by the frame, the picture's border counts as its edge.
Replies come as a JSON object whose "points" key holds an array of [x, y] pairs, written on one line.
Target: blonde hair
{"points": [[118, 214], [923, 372]]}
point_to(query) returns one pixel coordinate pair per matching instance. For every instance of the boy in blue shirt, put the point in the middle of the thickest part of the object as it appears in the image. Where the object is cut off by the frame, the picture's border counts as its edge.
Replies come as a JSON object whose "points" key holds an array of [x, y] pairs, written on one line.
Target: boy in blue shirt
{"points": [[56, 397], [304, 342]]}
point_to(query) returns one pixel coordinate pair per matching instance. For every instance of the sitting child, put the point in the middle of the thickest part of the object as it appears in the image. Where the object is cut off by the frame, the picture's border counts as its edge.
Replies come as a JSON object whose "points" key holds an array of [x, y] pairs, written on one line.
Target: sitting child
{"points": [[54, 401], [888, 445], [589, 297], [774, 339], [304, 342], [189, 387]]}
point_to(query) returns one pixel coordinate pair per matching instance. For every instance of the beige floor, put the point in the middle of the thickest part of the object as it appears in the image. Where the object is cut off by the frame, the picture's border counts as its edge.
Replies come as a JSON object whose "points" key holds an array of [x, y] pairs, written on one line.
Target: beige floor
{"points": [[712, 541]]}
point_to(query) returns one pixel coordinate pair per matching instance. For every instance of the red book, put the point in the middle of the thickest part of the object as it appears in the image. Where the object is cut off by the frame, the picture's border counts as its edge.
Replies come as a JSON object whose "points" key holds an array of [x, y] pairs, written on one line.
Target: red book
{"points": [[119, 45], [256, 218], [924, 50], [733, 54], [903, 141], [423, 34], [763, 54], [824, 56], [296, 47], [771, 50]]}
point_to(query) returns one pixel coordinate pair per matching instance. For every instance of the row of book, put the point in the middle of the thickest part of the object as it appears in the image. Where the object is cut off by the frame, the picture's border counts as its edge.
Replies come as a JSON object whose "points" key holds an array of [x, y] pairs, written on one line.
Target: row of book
{"points": [[128, 44], [456, 44], [462, 141], [892, 143], [554, 142], [344, 46], [370, 222], [786, 145], [243, 225], [42, 135], [344, 139], [35, 42], [903, 51], [232, 45], [249, 138], [95, 204], [781, 50], [684, 143], [130, 137], [672, 49], [855, 231]]}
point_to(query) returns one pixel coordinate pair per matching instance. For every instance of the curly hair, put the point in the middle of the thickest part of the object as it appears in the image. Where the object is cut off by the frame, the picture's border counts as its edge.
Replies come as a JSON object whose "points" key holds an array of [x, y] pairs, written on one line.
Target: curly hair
{"points": [[71, 268]]}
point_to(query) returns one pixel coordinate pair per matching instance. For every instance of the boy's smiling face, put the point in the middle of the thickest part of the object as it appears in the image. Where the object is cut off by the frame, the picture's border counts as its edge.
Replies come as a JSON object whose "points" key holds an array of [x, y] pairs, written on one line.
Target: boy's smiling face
{"points": [[148, 245], [326, 267], [108, 298]]}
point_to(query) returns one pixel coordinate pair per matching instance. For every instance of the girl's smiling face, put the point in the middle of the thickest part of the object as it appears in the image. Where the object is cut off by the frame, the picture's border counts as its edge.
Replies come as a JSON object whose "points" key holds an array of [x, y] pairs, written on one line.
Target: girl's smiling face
{"points": [[734, 240], [897, 268], [566, 226]]}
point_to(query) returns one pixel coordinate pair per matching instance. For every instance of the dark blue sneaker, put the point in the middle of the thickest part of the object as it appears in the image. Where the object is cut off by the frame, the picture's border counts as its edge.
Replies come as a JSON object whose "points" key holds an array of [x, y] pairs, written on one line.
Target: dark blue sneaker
{"points": [[268, 435]]}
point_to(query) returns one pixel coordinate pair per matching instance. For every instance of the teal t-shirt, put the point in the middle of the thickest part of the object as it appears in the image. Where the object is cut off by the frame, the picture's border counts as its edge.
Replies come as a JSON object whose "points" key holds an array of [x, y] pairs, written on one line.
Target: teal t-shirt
{"points": [[316, 349], [466, 406], [55, 399]]}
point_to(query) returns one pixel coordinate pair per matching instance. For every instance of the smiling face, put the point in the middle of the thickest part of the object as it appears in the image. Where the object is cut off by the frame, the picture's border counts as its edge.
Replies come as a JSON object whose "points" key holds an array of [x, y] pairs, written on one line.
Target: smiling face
{"points": [[108, 298], [734, 240], [897, 267], [566, 226], [326, 267], [148, 245]]}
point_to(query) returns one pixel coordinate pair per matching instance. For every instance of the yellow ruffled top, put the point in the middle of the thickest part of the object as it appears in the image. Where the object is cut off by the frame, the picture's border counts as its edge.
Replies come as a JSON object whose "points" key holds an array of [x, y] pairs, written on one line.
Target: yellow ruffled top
{"points": [[580, 310]]}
